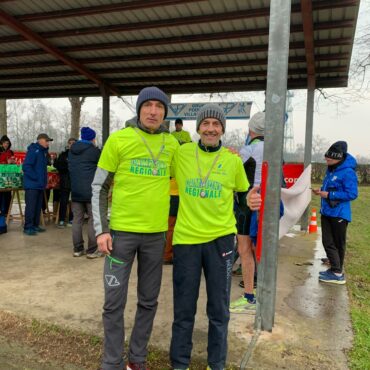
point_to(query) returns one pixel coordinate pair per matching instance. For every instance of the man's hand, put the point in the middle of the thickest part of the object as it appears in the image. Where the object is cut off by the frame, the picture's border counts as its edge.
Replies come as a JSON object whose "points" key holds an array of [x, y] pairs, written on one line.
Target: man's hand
{"points": [[254, 199], [316, 191], [104, 243], [321, 193], [233, 151]]}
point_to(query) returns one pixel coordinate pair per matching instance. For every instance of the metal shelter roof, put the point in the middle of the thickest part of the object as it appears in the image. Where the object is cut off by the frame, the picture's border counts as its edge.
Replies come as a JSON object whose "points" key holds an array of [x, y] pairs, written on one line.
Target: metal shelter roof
{"points": [[52, 48]]}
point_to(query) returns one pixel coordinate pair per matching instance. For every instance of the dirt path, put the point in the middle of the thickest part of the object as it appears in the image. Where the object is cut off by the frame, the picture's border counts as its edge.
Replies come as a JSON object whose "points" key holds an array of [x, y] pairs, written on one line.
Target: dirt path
{"points": [[40, 279]]}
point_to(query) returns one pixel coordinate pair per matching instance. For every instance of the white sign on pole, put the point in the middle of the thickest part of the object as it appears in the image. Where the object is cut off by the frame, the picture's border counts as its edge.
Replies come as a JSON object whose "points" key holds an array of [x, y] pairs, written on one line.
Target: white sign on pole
{"points": [[188, 111]]}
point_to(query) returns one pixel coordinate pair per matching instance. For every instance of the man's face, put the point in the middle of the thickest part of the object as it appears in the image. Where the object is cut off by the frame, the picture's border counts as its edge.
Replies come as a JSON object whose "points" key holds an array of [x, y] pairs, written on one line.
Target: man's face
{"points": [[331, 162], [152, 114], [210, 131], [178, 127], [6, 145], [70, 143], [44, 143]]}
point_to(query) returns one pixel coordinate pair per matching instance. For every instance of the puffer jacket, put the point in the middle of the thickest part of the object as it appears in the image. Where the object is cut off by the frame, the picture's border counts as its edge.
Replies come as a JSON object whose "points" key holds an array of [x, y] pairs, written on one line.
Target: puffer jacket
{"points": [[35, 167], [341, 183], [83, 158]]}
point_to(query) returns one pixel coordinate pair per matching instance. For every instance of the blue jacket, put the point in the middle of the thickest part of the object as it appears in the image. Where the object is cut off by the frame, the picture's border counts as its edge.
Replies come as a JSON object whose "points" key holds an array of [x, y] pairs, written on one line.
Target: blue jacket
{"points": [[341, 183], [35, 174], [83, 158]]}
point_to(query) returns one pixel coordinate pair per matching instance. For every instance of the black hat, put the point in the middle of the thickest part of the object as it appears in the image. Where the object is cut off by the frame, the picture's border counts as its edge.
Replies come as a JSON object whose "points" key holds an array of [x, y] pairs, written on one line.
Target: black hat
{"points": [[151, 93], [337, 151], [44, 136]]}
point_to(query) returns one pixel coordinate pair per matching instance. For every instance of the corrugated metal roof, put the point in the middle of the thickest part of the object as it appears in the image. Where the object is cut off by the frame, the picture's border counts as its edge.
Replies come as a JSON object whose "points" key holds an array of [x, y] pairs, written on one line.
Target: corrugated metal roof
{"points": [[184, 46]]}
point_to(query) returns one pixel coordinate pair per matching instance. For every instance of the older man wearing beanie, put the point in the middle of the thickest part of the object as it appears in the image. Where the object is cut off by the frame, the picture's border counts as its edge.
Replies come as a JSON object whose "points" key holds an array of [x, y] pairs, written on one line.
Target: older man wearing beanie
{"points": [[34, 183], [83, 157], [207, 175], [139, 159], [338, 190]]}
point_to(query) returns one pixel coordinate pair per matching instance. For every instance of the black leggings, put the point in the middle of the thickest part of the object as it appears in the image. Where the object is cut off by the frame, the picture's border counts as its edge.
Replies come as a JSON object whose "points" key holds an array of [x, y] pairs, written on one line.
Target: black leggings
{"points": [[334, 231]]}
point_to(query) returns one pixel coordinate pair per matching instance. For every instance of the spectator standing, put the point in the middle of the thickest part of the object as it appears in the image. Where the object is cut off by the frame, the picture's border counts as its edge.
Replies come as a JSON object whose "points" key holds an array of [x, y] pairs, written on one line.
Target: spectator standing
{"points": [[338, 190], [61, 164], [6, 157], [181, 135], [34, 182], [252, 157], [83, 157]]}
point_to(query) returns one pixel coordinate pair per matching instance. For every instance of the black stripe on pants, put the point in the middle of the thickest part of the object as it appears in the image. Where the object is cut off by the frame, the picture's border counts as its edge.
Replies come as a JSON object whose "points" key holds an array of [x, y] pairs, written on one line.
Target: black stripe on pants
{"points": [[334, 231]]}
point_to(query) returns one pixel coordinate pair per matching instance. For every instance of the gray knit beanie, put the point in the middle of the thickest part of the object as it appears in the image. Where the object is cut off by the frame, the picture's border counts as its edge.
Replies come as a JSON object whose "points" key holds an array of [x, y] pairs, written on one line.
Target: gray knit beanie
{"points": [[151, 93], [211, 111], [257, 123]]}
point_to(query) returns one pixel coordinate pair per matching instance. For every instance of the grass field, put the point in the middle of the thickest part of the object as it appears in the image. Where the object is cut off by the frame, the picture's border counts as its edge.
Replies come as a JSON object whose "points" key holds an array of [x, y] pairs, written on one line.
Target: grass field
{"points": [[357, 268]]}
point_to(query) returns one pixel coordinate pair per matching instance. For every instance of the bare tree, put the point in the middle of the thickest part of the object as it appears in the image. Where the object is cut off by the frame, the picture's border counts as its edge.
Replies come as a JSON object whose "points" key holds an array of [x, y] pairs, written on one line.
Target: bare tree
{"points": [[319, 146], [234, 139], [3, 118], [76, 104]]}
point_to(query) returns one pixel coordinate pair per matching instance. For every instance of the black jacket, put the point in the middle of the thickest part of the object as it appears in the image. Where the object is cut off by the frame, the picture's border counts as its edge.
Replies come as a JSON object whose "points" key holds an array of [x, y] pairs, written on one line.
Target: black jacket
{"points": [[83, 158], [61, 164]]}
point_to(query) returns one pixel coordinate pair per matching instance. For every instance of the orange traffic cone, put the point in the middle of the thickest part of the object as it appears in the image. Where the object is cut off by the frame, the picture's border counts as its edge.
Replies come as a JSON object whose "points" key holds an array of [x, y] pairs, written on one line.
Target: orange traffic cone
{"points": [[313, 223]]}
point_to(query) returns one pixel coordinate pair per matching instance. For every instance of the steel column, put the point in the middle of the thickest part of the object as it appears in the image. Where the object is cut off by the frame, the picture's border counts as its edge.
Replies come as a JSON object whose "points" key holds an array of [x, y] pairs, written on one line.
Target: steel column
{"points": [[273, 154], [308, 142], [105, 117]]}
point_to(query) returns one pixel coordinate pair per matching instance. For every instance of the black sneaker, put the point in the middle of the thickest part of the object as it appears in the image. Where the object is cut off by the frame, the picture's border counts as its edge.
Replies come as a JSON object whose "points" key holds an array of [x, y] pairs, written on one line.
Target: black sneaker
{"points": [[79, 253], [29, 232], [39, 229]]}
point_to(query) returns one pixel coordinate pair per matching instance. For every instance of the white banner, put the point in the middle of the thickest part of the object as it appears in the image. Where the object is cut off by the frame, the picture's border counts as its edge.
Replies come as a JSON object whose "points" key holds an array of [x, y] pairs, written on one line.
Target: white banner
{"points": [[295, 199], [188, 111]]}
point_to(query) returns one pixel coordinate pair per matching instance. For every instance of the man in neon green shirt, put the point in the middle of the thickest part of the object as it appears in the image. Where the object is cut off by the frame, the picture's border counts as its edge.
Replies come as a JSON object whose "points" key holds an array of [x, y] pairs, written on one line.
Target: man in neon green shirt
{"points": [[139, 159], [181, 135], [207, 175]]}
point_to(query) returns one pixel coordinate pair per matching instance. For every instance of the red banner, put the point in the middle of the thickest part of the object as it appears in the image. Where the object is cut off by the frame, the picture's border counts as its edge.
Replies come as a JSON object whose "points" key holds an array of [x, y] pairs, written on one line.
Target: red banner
{"points": [[265, 168], [291, 173]]}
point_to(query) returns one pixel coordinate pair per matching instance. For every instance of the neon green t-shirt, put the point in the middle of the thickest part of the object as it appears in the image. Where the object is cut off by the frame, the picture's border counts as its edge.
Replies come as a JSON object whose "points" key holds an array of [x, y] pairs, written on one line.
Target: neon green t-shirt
{"points": [[182, 136], [201, 220], [140, 199]]}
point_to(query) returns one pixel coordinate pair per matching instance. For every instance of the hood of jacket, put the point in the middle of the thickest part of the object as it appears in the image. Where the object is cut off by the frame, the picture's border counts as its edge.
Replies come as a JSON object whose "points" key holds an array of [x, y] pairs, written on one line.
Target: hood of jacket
{"points": [[80, 146], [3, 139], [349, 162]]}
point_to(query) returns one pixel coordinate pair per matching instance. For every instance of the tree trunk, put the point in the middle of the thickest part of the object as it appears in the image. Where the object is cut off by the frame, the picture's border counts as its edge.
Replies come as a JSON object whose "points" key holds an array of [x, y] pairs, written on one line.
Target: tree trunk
{"points": [[76, 104], [3, 120]]}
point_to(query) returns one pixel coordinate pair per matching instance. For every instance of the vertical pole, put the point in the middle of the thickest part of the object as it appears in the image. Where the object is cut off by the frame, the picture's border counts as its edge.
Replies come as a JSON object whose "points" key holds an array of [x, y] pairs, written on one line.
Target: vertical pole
{"points": [[308, 140], [277, 71], [3, 118], [106, 104]]}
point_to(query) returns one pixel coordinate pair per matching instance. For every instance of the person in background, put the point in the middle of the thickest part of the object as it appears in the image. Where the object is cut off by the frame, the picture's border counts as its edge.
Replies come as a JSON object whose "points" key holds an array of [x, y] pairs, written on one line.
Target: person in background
{"points": [[83, 158], [6, 157], [338, 190], [34, 182], [252, 157], [181, 135], [174, 207], [61, 164]]}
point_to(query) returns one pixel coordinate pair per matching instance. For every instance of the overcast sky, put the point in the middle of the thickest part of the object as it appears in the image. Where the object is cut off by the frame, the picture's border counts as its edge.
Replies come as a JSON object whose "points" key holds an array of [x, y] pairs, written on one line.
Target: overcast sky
{"points": [[333, 121]]}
